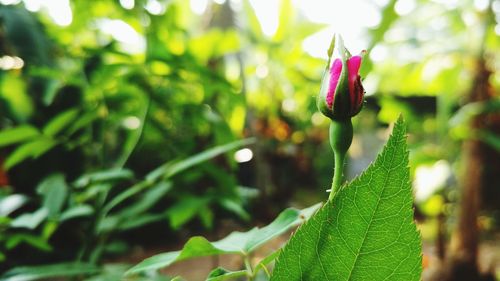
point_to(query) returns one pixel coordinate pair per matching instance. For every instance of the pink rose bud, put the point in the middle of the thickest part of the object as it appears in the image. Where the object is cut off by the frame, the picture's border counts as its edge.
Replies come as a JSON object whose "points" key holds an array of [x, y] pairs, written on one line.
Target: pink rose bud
{"points": [[341, 95]]}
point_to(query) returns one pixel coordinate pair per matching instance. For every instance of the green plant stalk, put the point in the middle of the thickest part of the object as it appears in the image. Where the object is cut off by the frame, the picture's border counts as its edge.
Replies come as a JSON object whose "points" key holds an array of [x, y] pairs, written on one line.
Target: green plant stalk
{"points": [[340, 140], [337, 174], [248, 267]]}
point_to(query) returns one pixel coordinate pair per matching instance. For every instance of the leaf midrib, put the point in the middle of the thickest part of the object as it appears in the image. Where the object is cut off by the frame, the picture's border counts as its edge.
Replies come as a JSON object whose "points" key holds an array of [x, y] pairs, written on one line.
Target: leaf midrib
{"points": [[371, 219]]}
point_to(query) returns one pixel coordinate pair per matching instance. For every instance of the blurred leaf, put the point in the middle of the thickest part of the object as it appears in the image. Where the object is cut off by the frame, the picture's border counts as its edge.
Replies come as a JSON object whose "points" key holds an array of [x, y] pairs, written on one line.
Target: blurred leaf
{"points": [[76, 212], [241, 243], [106, 175], [11, 203], [285, 20], [129, 192], [235, 207], [13, 91], [30, 220], [490, 138], [54, 191], [140, 221], [82, 122], [220, 274], [18, 134], [252, 20], [35, 241], [471, 110], [206, 216], [60, 122], [184, 210], [28, 273], [172, 168], [32, 149], [148, 200]]}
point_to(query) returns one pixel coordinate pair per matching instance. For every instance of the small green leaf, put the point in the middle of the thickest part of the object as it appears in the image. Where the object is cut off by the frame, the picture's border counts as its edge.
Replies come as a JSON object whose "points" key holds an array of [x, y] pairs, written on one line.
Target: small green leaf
{"points": [[32, 149], [60, 122], [139, 221], [288, 218], [81, 122], [28, 273], [11, 203], [32, 240], [490, 138], [30, 220], [236, 243], [184, 210], [54, 191], [106, 175], [147, 200], [265, 261], [221, 274], [17, 134], [366, 232], [76, 212], [235, 207]]}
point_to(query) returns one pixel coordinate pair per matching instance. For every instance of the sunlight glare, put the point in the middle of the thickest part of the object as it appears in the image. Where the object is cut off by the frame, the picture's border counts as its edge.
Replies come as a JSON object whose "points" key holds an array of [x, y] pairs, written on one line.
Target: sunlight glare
{"points": [[243, 155], [131, 123], [429, 179], [350, 19], [405, 7], [124, 33], [127, 4], [154, 7], [10, 2], [268, 14], [8, 63], [198, 6], [60, 12], [33, 5]]}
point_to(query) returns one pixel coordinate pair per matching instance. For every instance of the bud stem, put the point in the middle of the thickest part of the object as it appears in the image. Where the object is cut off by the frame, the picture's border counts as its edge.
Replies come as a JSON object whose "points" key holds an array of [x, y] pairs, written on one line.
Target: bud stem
{"points": [[340, 141]]}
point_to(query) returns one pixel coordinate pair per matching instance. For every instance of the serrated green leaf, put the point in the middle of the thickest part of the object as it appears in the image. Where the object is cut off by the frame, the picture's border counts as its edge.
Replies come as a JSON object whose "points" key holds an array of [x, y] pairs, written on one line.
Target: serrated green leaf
{"points": [[17, 134], [366, 232], [236, 243]]}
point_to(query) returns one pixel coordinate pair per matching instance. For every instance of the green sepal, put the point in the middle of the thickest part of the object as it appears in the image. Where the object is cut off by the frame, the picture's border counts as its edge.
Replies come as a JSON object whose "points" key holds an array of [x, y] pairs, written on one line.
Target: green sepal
{"points": [[341, 135]]}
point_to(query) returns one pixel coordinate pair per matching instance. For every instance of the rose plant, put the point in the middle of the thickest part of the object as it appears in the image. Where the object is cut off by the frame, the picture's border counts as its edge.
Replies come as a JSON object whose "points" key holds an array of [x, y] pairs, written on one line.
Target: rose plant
{"points": [[365, 230]]}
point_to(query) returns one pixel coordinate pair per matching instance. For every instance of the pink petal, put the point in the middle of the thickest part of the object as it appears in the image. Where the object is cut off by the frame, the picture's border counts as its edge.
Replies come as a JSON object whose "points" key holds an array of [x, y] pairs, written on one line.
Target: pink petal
{"points": [[335, 71], [353, 65]]}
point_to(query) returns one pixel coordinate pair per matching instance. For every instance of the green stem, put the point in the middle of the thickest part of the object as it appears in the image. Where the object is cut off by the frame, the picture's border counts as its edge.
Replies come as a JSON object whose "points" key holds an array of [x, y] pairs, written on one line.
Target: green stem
{"points": [[248, 267], [340, 141], [337, 174]]}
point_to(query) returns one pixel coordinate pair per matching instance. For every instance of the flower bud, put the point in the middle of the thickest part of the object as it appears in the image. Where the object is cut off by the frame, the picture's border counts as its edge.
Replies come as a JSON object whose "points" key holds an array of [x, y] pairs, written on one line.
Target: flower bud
{"points": [[341, 95]]}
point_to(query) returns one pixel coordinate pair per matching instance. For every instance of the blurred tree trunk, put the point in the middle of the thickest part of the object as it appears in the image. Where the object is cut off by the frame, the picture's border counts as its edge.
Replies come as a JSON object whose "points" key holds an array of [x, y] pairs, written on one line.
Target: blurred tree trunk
{"points": [[461, 262]]}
